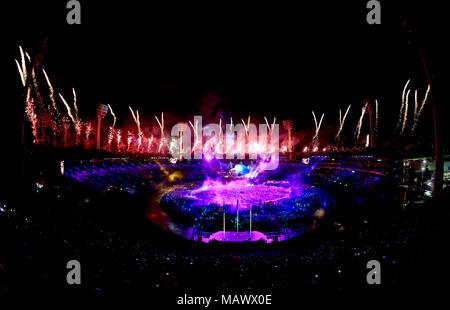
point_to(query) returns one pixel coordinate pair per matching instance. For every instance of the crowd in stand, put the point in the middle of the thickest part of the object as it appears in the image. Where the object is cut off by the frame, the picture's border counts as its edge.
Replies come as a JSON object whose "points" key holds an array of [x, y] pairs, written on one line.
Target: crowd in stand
{"points": [[111, 259]]}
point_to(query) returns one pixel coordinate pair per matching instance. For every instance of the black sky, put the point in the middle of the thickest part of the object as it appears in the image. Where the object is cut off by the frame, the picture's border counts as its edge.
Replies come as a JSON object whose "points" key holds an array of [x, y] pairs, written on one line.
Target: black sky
{"points": [[268, 59]]}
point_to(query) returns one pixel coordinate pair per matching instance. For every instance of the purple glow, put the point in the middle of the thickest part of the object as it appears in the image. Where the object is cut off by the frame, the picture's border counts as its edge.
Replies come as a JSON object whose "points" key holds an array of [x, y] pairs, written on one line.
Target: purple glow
{"points": [[232, 236], [208, 157], [241, 191]]}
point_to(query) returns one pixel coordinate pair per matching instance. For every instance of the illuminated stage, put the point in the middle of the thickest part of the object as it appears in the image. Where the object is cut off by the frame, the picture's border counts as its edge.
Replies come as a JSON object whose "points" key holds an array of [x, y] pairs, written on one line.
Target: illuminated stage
{"points": [[245, 210], [203, 201]]}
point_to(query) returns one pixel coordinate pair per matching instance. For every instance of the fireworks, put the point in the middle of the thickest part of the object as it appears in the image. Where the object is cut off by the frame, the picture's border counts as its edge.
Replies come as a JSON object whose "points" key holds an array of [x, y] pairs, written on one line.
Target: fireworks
{"points": [[69, 111], [358, 127], [22, 68], [110, 136], [246, 126], [341, 122], [50, 87], [75, 107], [417, 115], [19, 69], [55, 112], [376, 118], [88, 131], [267, 123], [197, 141], [401, 107], [29, 110], [149, 144], [119, 137], [405, 116], [75, 120], [40, 114], [113, 115], [316, 135], [129, 139], [161, 125], [136, 119], [139, 140]]}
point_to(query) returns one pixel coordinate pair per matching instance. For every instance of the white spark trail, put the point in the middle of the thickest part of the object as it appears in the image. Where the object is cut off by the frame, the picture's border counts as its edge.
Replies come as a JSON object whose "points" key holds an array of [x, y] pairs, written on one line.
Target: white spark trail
{"points": [[342, 121], [401, 107], [358, 127], [113, 115], [419, 112], [405, 115], [317, 125], [69, 111]]}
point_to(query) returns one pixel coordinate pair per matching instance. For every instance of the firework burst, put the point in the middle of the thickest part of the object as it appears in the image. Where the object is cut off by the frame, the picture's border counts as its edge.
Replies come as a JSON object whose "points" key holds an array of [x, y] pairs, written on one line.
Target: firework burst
{"points": [[402, 106], [405, 115], [341, 123], [318, 125], [419, 111], [360, 122]]}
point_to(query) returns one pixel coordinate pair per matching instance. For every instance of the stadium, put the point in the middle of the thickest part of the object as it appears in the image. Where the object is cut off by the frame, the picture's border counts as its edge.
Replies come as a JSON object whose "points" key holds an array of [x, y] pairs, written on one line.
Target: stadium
{"points": [[208, 201], [224, 158]]}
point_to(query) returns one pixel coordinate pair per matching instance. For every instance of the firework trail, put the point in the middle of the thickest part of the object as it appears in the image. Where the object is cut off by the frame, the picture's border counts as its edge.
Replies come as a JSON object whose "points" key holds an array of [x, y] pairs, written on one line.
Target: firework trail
{"points": [[113, 115], [65, 125], [55, 111], [110, 136], [424, 101], [24, 67], [161, 125], [139, 140], [119, 137], [376, 118], [29, 110], [401, 108], [129, 139], [341, 122], [405, 116], [316, 135], [195, 129], [416, 104], [38, 96], [75, 107], [79, 123], [246, 126], [161, 143], [419, 112], [358, 127], [229, 138], [76, 121], [136, 119], [138, 124], [112, 131], [19, 69], [240, 146], [69, 111], [267, 123], [50, 87], [149, 145], [88, 131]]}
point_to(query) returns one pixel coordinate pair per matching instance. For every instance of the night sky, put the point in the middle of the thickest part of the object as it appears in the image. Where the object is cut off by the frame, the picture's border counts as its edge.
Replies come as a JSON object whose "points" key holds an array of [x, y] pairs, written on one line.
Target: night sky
{"points": [[260, 59]]}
